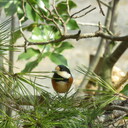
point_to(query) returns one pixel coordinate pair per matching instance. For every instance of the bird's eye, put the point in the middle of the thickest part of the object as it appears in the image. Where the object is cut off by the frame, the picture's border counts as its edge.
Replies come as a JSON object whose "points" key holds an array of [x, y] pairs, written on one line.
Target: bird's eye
{"points": [[62, 69]]}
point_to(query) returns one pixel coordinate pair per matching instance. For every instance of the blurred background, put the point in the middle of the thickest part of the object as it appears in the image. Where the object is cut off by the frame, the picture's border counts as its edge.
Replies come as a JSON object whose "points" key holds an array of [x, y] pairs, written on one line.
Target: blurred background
{"points": [[79, 55]]}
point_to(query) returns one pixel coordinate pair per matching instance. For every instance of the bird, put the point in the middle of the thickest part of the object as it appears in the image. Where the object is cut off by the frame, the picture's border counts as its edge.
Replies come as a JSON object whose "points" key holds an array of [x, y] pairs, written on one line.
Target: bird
{"points": [[62, 79]]}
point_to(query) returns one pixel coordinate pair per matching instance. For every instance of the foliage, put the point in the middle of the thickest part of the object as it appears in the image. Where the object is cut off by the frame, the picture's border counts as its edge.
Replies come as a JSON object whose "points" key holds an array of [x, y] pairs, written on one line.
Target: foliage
{"points": [[41, 29], [45, 110], [32, 106]]}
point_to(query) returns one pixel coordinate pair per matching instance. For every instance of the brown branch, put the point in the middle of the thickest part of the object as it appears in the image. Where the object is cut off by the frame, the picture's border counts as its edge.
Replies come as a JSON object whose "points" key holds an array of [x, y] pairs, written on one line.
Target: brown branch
{"points": [[68, 9], [80, 11], [99, 4], [108, 123], [96, 25], [118, 107], [114, 112], [45, 17], [85, 13], [105, 4], [80, 36], [59, 17], [113, 38], [118, 52], [20, 26]]}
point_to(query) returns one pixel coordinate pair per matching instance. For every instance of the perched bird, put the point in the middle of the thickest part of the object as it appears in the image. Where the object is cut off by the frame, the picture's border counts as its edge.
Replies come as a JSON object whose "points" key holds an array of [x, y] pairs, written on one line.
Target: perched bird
{"points": [[62, 79]]}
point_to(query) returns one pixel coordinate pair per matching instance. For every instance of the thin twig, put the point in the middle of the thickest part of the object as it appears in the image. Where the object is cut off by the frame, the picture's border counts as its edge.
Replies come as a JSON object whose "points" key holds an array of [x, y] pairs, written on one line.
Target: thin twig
{"points": [[96, 25], [118, 107], [59, 17], [98, 1], [68, 9], [105, 4], [45, 17], [121, 95], [80, 11], [115, 120], [78, 36], [20, 27], [85, 13]]}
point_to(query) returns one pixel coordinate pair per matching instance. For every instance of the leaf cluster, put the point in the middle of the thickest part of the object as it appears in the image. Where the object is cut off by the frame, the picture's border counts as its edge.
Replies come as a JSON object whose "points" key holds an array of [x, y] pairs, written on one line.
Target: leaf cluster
{"points": [[45, 25], [41, 109]]}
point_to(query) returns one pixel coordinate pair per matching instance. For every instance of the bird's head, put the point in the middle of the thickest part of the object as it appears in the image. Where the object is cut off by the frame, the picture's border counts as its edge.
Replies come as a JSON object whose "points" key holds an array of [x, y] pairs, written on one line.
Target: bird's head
{"points": [[62, 71]]}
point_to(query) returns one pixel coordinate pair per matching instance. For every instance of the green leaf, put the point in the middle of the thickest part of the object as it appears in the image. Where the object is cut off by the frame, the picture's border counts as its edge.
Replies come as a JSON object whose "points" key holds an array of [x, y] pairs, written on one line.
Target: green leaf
{"points": [[33, 2], [37, 34], [31, 13], [50, 32], [31, 52], [10, 9], [72, 25], [43, 3], [62, 6], [125, 90], [58, 59], [63, 46], [46, 2], [3, 3], [31, 65], [44, 33], [16, 35]]}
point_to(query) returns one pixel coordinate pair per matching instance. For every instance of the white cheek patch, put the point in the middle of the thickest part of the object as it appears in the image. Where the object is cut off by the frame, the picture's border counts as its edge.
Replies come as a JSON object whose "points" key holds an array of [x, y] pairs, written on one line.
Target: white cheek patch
{"points": [[64, 74]]}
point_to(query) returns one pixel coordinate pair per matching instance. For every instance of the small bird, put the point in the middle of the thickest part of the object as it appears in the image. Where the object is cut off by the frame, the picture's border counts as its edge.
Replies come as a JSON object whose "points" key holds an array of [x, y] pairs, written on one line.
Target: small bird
{"points": [[62, 79]]}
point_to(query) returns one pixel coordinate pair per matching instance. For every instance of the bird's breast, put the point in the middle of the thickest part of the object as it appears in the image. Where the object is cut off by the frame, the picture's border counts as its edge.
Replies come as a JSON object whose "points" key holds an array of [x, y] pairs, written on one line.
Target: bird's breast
{"points": [[61, 86]]}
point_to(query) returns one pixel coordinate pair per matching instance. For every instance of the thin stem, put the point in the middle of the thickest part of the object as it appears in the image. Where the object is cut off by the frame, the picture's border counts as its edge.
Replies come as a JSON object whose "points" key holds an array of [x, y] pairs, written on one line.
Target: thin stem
{"points": [[11, 60], [85, 13], [59, 18], [98, 1], [80, 11], [68, 9]]}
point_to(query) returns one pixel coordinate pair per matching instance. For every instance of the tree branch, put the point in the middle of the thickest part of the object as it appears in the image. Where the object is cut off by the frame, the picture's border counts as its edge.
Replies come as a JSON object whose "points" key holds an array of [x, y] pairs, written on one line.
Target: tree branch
{"points": [[80, 11], [85, 13], [117, 53], [98, 1], [78, 36]]}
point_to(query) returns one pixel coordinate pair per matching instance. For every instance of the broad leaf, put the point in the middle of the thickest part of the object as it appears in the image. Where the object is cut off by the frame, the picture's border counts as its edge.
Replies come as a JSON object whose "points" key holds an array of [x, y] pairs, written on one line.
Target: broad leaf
{"points": [[46, 2], [72, 25], [62, 6], [16, 35], [64, 46], [31, 13], [58, 58], [10, 9], [44, 33], [37, 34], [31, 52], [50, 32], [31, 65], [43, 4]]}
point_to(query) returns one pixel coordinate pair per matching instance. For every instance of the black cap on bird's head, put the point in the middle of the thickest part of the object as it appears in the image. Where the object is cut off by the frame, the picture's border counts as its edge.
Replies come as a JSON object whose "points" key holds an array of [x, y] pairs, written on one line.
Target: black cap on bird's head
{"points": [[63, 71], [62, 68]]}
